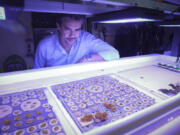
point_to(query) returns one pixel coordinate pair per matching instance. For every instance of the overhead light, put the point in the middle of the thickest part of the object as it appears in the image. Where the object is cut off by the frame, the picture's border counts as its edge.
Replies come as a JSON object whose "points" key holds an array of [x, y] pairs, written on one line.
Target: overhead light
{"points": [[130, 20], [2, 13], [129, 16], [170, 23]]}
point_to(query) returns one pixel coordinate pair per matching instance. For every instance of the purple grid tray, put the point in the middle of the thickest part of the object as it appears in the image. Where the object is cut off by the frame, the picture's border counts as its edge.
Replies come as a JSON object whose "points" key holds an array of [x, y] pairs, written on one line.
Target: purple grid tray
{"points": [[28, 112], [87, 97]]}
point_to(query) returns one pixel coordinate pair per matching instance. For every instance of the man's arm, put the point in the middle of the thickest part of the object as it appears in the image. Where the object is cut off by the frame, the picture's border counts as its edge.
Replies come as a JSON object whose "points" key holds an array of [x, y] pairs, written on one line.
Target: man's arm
{"points": [[91, 58], [98, 50]]}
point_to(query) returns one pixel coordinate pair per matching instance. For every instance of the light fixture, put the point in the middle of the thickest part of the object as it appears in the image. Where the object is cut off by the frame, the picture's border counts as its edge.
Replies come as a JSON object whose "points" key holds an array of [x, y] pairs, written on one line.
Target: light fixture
{"points": [[130, 20], [2, 13], [170, 23], [128, 16]]}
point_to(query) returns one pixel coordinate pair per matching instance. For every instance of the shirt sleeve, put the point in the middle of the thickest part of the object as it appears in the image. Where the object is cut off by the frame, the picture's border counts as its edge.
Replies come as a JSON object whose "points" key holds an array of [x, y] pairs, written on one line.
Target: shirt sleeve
{"points": [[39, 61], [102, 48]]}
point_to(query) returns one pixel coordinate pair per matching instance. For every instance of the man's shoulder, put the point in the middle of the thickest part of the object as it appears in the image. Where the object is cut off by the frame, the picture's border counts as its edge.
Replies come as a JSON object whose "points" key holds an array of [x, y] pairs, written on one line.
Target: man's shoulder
{"points": [[48, 40], [86, 35]]}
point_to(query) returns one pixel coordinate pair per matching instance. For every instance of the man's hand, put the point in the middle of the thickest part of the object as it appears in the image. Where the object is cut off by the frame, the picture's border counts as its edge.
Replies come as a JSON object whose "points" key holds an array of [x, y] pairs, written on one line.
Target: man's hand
{"points": [[91, 58]]}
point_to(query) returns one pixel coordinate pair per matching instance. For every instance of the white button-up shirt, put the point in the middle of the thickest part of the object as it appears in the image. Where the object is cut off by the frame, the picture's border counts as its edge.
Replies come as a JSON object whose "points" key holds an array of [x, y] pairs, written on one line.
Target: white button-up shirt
{"points": [[50, 52]]}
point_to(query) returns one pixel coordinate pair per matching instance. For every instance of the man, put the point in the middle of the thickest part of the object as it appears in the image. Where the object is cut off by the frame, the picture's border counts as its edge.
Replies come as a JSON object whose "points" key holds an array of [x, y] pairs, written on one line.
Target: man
{"points": [[72, 45]]}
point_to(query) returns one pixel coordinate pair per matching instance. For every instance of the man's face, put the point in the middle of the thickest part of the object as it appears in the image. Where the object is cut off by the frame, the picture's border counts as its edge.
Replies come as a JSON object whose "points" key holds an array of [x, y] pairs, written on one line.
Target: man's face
{"points": [[69, 31]]}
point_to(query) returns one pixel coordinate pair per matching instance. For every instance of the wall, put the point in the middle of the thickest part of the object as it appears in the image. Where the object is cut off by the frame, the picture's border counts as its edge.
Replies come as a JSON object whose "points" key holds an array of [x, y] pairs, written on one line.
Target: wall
{"points": [[16, 36]]}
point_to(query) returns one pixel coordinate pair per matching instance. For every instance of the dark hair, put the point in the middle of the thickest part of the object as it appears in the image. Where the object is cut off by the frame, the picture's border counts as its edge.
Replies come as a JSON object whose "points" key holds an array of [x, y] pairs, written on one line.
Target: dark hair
{"points": [[62, 17]]}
